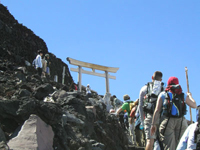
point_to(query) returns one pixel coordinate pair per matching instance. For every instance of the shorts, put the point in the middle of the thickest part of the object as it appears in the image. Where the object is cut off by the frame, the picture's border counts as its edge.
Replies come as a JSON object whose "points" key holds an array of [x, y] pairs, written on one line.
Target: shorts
{"points": [[173, 129], [147, 127]]}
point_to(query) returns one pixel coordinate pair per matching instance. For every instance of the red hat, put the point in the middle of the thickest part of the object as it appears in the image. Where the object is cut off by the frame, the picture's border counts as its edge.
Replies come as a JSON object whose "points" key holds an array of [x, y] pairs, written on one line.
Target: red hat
{"points": [[172, 81]]}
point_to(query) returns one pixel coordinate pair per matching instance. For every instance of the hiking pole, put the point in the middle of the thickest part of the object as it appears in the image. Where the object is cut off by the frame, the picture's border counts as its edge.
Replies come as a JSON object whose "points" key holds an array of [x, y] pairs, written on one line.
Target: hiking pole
{"points": [[71, 85], [186, 73]]}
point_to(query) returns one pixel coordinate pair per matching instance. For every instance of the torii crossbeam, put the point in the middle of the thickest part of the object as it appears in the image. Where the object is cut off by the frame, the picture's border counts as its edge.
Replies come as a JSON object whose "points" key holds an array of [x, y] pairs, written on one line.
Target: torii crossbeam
{"points": [[94, 67]]}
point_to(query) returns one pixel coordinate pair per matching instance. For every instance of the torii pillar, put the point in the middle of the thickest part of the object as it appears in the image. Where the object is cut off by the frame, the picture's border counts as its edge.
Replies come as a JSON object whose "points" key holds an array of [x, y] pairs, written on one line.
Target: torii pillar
{"points": [[94, 67]]}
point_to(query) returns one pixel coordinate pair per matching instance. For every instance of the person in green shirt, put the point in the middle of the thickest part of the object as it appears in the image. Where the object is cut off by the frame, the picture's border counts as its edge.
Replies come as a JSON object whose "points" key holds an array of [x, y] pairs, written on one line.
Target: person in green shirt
{"points": [[127, 106]]}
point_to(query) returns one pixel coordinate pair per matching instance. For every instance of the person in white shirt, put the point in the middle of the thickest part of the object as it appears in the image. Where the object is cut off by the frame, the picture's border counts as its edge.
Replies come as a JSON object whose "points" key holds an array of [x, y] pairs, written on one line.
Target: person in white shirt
{"points": [[88, 91], [38, 62], [187, 140]]}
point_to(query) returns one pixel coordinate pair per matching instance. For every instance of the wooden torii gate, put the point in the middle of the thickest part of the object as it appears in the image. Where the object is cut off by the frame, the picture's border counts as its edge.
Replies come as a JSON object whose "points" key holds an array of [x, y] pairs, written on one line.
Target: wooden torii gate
{"points": [[94, 67]]}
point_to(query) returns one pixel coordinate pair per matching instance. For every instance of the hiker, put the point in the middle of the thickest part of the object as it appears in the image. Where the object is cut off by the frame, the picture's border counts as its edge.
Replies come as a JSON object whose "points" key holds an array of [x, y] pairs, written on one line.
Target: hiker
{"points": [[139, 134], [172, 102], [47, 70], [44, 67], [126, 123], [127, 106], [191, 137], [135, 117], [88, 91], [133, 111], [147, 101], [116, 102], [38, 62], [116, 105], [75, 87], [112, 101]]}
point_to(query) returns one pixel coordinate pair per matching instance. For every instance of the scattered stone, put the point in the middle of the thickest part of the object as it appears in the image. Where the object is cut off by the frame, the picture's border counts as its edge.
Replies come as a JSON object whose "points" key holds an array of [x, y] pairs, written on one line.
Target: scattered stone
{"points": [[24, 92], [42, 91]]}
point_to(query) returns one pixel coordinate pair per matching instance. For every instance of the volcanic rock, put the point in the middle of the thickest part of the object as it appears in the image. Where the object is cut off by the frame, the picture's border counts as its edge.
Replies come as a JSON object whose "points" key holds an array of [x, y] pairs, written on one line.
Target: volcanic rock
{"points": [[74, 121]]}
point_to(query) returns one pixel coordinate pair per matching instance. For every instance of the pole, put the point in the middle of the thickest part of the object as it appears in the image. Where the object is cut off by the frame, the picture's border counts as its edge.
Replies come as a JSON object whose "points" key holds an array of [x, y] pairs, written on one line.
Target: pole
{"points": [[79, 78], [56, 78], [107, 82], [186, 73], [63, 75]]}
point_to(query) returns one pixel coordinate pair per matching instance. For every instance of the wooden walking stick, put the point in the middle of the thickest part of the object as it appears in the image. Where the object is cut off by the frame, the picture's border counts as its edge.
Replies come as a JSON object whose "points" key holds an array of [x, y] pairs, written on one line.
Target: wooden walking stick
{"points": [[186, 73], [71, 85]]}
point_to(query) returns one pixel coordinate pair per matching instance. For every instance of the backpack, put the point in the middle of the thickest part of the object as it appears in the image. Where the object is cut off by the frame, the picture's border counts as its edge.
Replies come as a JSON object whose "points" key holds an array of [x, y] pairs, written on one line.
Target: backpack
{"points": [[131, 105], [197, 136], [174, 105], [197, 130], [34, 63], [150, 99], [117, 102]]}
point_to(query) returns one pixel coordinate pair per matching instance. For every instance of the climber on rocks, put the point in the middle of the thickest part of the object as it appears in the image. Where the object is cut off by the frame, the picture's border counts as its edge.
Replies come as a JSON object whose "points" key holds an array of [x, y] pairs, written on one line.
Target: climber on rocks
{"points": [[128, 106], [38, 62]]}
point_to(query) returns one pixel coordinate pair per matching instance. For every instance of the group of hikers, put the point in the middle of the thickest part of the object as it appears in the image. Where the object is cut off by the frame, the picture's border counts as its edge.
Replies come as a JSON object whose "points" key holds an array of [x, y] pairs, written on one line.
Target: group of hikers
{"points": [[156, 119], [158, 114], [42, 64]]}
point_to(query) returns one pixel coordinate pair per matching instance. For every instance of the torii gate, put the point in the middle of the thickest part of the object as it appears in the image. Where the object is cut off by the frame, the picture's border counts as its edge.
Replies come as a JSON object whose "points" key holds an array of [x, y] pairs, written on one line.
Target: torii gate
{"points": [[94, 67]]}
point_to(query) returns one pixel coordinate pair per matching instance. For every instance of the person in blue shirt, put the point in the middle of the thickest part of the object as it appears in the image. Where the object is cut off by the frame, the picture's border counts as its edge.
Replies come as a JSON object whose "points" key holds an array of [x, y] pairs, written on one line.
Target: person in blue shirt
{"points": [[173, 123]]}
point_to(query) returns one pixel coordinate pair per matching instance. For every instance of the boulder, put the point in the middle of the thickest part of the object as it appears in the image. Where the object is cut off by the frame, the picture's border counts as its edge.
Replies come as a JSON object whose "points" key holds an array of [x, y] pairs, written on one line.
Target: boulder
{"points": [[42, 91], [34, 134], [24, 92]]}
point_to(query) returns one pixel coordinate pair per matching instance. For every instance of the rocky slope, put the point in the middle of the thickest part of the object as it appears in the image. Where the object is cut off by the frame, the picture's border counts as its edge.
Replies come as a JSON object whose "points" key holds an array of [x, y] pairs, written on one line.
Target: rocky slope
{"points": [[77, 122], [18, 43]]}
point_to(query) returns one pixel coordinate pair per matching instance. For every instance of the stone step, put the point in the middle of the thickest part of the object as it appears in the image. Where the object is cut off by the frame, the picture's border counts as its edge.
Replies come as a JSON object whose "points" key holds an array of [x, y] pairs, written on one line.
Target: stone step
{"points": [[132, 147]]}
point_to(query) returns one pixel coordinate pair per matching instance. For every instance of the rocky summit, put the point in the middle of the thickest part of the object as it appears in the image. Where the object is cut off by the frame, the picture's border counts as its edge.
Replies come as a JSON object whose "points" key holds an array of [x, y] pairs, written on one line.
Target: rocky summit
{"points": [[38, 113]]}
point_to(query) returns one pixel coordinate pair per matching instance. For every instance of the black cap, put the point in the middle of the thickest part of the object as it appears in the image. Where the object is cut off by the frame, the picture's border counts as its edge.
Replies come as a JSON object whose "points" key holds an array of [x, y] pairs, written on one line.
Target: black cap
{"points": [[40, 51]]}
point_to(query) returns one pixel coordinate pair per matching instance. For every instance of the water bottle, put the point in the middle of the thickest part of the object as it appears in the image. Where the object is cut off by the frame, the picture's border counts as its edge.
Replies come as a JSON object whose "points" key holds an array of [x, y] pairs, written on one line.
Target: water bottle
{"points": [[141, 126]]}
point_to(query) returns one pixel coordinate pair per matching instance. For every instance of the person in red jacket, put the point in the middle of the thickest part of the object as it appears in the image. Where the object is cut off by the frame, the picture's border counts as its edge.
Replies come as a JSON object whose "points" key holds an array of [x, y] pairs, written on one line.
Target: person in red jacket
{"points": [[139, 134]]}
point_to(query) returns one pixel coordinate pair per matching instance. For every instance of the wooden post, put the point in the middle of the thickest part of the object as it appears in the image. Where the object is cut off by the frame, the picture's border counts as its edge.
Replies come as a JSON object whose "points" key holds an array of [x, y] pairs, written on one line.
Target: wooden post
{"points": [[186, 73], [56, 78], [107, 82], [79, 78], [63, 75]]}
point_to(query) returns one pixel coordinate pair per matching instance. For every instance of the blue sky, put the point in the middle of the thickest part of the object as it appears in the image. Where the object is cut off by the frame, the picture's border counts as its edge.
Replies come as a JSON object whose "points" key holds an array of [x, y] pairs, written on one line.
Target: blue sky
{"points": [[139, 37]]}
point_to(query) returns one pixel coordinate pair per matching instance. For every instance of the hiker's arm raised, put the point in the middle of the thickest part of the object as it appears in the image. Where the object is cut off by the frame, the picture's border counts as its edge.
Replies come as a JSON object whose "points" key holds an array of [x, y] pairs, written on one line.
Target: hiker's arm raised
{"points": [[190, 101]]}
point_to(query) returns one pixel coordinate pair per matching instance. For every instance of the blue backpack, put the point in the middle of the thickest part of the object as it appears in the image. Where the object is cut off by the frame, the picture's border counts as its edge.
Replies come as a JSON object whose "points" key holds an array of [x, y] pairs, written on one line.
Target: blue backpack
{"points": [[174, 105]]}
